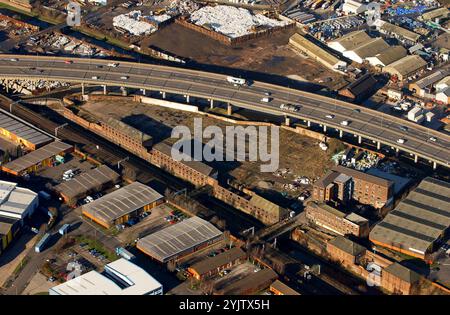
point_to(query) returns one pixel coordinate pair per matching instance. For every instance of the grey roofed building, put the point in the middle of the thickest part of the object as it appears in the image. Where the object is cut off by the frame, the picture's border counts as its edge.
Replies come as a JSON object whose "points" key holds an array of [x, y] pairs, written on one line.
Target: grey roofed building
{"points": [[122, 202], [350, 41], [418, 221], [254, 282], [196, 165], [368, 49], [397, 31], [86, 182], [179, 239], [33, 158], [436, 13], [406, 66], [22, 130], [361, 175], [431, 79], [402, 272], [347, 246], [361, 88], [388, 56], [212, 263]]}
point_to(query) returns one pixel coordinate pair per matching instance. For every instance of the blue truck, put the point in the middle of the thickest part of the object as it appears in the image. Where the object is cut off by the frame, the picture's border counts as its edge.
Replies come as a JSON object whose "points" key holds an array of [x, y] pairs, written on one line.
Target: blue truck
{"points": [[64, 229], [42, 242], [122, 252]]}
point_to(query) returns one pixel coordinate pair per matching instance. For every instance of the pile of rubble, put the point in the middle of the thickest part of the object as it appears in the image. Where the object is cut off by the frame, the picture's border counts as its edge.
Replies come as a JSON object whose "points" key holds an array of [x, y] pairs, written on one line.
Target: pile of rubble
{"points": [[231, 21], [27, 87], [183, 7], [131, 22]]}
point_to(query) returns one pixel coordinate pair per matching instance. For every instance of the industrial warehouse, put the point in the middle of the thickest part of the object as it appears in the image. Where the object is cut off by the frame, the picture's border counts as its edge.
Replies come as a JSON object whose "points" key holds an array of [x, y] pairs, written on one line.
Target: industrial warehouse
{"points": [[16, 205], [212, 266], [120, 277], [39, 159], [123, 204], [20, 132], [180, 239], [418, 222], [80, 186]]}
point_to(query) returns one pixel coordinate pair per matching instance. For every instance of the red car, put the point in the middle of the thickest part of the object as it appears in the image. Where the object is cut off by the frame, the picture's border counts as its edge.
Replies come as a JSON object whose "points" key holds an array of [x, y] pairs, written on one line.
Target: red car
{"points": [[69, 62]]}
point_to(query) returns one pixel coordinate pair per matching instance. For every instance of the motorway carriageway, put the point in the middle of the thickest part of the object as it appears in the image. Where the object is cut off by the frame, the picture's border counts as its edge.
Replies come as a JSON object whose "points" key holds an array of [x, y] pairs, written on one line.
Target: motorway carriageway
{"points": [[370, 124]]}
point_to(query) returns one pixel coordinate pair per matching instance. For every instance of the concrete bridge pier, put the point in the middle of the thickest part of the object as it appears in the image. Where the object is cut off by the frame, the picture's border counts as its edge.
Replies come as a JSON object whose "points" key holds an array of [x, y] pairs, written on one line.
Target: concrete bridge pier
{"points": [[416, 158], [378, 145], [211, 103], [82, 89], [104, 90], [308, 122], [6, 82], [359, 139], [187, 98], [163, 94], [324, 128], [287, 121], [341, 133], [144, 92], [434, 165], [229, 109]]}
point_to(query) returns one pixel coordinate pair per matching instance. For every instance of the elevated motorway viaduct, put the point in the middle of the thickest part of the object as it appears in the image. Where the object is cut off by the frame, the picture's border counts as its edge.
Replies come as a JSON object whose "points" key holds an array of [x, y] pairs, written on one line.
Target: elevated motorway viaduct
{"points": [[380, 128]]}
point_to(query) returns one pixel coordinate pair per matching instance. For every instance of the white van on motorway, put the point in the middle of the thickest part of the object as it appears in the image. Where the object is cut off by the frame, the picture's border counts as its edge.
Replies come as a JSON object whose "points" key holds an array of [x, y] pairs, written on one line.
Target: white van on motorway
{"points": [[113, 64], [125, 77], [401, 141], [344, 123], [94, 77], [266, 99]]}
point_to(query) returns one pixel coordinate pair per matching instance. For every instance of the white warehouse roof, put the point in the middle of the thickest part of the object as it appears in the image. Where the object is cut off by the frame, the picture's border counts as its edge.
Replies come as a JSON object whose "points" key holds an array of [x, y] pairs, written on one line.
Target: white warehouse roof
{"points": [[15, 201], [133, 280]]}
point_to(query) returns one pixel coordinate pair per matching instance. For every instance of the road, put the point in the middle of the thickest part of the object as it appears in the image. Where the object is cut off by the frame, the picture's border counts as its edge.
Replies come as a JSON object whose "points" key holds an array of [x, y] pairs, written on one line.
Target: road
{"points": [[369, 124]]}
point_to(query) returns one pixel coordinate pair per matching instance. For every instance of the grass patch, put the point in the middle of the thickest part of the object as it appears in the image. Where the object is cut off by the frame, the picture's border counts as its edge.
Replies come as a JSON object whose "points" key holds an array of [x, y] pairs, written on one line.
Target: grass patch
{"points": [[103, 37], [111, 256], [22, 265], [11, 8]]}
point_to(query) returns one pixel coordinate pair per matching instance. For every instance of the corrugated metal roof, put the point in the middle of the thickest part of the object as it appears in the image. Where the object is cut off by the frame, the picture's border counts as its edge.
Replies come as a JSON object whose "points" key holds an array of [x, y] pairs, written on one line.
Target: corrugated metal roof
{"points": [[33, 158], [175, 239], [121, 202], [22, 130], [419, 220]]}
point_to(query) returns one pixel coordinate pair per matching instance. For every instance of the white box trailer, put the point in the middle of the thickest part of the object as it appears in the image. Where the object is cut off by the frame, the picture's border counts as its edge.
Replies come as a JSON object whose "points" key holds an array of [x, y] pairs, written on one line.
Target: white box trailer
{"points": [[236, 81]]}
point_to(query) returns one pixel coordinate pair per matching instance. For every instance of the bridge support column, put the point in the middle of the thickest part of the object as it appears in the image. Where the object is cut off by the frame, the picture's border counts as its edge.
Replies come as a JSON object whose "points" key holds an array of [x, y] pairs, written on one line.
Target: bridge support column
{"points": [[104, 90], [211, 103], [341, 133], [287, 121], [82, 89], [324, 128], [434, 165], [187, 99], [144, 92], [163, 95], [7, 86], [359, 139], [308, 122], [229, 109], [378, 145]]}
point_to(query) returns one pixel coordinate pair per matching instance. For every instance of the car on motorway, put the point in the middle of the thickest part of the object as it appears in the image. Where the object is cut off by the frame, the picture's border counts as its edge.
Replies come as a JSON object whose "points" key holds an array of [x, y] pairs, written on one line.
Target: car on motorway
{"points": [[433, 139], [14, 59], [113, 64], [401, 141], [345, 123], [68, 62], [329, 116], [267, 93], [266, 99], [357, 110], [99, 66], [125, 77], [403, 128], [94, 77]]}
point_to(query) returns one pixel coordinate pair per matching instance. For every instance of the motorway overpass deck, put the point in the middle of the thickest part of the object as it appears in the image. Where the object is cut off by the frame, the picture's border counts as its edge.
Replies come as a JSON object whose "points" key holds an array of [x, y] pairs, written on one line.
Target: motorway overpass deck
{"points": [[368, 124]]}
